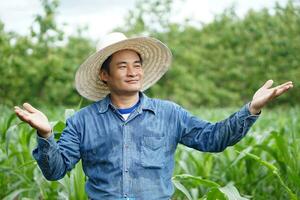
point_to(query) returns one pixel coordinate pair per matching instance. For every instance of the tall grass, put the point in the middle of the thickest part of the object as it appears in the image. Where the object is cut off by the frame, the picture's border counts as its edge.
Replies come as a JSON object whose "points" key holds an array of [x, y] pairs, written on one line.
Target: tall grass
{"points": [[20, 176], [264, 165]]}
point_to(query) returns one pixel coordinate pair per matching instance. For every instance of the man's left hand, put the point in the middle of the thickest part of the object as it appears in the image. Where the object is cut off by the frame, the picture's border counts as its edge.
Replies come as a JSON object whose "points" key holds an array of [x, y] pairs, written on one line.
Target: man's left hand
{"points": [[265, 94]]}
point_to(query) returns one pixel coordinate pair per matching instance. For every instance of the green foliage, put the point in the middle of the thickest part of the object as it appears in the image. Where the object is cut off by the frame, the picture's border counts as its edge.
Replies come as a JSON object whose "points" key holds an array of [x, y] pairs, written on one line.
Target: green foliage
{"points": [[224, 62], [215, 64], [37, 67], [20, 176], [264, 165], [221, 63]]}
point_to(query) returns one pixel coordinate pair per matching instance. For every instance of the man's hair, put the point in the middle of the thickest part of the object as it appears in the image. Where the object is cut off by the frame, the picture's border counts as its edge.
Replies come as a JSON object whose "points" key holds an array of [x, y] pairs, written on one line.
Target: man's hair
{"points": [[106, 63]]}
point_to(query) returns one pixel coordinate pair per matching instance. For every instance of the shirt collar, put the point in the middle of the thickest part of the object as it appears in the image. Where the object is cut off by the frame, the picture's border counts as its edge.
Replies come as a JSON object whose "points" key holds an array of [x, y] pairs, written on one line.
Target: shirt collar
{"points": [[146, 104]]}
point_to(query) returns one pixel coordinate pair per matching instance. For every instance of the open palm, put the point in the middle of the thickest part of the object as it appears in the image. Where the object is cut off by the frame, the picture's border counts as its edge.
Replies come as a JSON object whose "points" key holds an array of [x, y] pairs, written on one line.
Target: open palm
{"points": [[34, 118], [265, 94]]}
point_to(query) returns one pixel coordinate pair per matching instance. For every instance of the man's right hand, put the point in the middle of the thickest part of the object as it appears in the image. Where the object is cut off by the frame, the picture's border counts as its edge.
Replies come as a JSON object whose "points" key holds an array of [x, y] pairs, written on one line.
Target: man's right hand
{"points": [[35, 118]]}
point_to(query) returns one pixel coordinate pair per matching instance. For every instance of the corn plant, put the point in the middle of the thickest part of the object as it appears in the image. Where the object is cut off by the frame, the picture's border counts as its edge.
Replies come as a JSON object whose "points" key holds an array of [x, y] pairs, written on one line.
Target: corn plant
{"points": [[264, 165]]}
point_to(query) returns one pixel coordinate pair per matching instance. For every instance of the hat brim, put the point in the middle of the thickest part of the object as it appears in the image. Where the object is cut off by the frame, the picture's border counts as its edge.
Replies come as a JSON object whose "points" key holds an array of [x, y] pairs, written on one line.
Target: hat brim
{"points": [[156, 56]]}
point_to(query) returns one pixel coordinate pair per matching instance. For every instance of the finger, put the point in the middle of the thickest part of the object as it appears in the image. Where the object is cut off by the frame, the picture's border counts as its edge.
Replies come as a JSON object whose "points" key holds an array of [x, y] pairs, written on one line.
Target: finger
{"points": [[268, 84], [23, 115], [282, 90], [18, 110], [30, 108], [22, 112], [289, 83]]}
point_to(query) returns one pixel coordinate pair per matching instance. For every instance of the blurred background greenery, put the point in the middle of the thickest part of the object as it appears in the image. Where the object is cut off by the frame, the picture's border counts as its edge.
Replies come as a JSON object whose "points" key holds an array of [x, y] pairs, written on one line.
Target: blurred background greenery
{"points": [[218, 64]]}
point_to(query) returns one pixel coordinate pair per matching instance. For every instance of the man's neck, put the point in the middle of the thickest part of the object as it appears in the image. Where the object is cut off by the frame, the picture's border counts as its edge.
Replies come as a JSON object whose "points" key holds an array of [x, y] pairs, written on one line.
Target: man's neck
{"points": [[124, 101]]}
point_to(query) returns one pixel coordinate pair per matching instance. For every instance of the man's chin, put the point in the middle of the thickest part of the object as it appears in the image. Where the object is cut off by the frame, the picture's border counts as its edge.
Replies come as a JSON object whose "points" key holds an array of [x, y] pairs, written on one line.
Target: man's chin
{"points": [[132, 90]]}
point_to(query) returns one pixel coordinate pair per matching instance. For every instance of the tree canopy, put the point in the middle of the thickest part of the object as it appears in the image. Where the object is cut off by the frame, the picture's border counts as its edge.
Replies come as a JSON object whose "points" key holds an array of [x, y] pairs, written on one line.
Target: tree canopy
{"points": [[221, 63]]}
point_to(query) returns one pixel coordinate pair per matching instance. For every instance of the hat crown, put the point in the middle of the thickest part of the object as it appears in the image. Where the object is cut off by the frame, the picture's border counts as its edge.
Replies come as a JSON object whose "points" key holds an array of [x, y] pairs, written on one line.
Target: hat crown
{"points": [[110, 39]]}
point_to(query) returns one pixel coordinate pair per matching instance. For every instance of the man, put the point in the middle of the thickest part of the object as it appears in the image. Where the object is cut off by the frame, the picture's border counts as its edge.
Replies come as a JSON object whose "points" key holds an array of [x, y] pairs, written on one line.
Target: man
{"points": [[126, 140]]}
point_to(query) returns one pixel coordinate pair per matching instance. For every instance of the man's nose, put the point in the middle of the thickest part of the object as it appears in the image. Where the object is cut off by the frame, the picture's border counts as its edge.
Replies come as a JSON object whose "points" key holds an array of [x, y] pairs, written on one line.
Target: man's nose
{"points": [[131, 71]]}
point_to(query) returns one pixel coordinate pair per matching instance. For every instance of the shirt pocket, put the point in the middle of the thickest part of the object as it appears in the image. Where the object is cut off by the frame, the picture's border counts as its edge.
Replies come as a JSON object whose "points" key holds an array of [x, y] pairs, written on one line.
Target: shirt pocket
{"points": [[153, 151]]}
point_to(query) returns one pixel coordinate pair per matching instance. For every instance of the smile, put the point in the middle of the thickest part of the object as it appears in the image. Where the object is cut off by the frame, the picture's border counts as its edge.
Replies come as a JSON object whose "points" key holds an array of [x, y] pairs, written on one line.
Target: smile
{"points": [[132, 81]]}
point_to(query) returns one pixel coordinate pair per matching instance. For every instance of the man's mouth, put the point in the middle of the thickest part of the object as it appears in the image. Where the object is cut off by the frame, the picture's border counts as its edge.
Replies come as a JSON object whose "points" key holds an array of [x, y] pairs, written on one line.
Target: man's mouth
{"points": [[132, 81]]}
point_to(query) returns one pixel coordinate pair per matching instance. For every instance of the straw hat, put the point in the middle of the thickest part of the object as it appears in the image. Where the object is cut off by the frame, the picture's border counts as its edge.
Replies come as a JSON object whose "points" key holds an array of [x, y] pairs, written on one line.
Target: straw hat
{"points": [[156, 58]]}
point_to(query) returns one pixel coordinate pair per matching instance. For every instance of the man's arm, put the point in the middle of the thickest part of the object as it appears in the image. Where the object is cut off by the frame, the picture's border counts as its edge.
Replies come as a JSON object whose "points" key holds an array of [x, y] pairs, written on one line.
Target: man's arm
{"points": [[210, 137], [54, 159], [214, 137]]}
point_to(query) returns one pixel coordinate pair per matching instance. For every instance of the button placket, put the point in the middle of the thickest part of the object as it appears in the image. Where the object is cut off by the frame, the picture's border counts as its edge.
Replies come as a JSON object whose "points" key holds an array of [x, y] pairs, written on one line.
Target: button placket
{"points": [[126, 158]]}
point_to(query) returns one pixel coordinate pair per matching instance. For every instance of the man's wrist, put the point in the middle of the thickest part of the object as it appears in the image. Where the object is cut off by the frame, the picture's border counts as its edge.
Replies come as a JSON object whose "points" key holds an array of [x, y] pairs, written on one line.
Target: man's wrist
{"points": [[44, 135], [254, 111]]}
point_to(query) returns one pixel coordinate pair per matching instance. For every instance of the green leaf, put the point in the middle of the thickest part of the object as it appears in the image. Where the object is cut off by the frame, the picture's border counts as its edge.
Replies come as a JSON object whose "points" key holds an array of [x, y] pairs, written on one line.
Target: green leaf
{"points": [[195, 180], [58, 128], [14, 194], [231, 192], [214, 193], [7, 125], [270, 166], [182, 188]]}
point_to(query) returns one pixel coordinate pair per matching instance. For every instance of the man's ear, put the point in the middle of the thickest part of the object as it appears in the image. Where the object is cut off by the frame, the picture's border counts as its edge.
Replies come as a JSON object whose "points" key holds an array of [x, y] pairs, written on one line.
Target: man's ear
{"points": [[103, 76]]}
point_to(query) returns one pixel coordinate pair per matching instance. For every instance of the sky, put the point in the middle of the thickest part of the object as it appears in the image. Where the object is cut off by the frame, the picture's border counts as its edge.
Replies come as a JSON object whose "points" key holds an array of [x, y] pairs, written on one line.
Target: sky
{"points": [[101, 16]]}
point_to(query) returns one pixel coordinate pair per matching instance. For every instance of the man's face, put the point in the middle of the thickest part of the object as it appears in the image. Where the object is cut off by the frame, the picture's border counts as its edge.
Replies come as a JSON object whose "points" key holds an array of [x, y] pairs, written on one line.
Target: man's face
{"points": [[125, 73]]}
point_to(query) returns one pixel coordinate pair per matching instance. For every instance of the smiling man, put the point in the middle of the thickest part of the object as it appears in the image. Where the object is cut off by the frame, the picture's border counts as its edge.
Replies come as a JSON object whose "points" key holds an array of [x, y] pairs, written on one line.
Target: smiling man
{"points": [[125, 139], [123, 74]]}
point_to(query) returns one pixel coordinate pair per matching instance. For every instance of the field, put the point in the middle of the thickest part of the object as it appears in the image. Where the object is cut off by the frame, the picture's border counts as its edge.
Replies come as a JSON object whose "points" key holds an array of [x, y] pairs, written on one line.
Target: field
{"points": [[264, 165]]}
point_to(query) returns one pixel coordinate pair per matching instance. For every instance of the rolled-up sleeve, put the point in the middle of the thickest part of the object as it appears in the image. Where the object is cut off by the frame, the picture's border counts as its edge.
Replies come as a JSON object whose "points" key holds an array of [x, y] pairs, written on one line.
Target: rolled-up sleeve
{"points": [[214, 137]]}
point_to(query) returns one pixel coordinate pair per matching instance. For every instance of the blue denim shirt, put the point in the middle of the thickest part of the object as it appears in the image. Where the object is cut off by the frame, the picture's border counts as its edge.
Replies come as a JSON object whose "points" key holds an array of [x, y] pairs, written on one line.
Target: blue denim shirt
{"points": [[134, 158]]}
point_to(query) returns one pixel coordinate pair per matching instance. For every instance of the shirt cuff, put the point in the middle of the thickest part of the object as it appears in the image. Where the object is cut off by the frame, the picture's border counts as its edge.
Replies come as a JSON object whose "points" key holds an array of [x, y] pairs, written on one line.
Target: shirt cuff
{"points": [[44, 144], [246, 116]]}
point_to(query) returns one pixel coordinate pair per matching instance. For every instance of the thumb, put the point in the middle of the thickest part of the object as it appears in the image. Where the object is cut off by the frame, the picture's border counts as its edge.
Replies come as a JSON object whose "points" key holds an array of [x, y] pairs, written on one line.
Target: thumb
{"points": [[30, 108], [268, 84]]}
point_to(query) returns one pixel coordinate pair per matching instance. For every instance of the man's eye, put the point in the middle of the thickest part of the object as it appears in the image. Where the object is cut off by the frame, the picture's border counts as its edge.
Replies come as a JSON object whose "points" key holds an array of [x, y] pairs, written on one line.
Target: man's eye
{"points": [[138, 66], [122, 66]]}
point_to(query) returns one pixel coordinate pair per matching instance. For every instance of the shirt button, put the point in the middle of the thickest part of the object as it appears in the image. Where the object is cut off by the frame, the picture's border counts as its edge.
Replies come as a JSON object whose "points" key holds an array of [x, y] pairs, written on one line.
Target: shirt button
{"points": [[126, 146], [125, 195], [126, 170]]}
